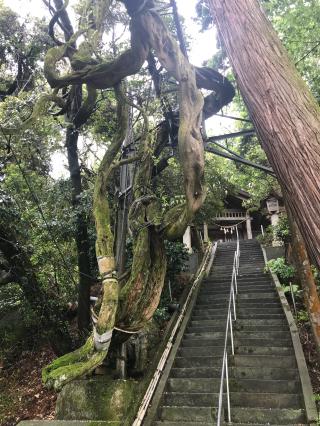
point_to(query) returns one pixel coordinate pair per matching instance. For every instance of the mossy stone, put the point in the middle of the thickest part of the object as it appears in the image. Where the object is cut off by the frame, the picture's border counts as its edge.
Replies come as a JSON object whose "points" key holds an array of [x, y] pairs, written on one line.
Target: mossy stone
{"points": [[99, 399]]}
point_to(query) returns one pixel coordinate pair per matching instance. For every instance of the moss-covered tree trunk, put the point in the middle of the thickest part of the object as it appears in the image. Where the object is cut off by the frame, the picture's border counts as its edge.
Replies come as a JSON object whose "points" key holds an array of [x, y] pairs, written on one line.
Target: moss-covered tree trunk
{"points": [[282, 108], [130, 308]]}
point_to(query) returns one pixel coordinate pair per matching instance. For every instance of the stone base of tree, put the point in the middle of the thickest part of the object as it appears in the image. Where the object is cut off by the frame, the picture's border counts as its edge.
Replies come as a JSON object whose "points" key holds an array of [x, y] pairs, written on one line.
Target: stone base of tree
{"points": [[100, 398]]}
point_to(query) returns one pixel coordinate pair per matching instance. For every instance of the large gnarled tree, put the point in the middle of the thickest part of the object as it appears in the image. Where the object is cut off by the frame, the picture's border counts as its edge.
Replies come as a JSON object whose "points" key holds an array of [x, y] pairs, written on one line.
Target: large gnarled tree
{"points": [[132, 305]]}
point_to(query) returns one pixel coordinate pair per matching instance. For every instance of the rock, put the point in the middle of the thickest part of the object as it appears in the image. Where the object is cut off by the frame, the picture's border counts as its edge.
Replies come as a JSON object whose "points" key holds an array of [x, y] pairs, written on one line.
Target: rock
{"points": [[66, 423], [100, 398]]}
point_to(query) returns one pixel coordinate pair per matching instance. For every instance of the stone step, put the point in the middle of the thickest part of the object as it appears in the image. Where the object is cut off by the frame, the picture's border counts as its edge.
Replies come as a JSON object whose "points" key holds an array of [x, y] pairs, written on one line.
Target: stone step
{"points": [[267, 416], [265, 386], [242, 323], [266, 315], [168, 423], [238, 360], [210, 314], [198, 361], [206, 305], [213, 306], [199, 331], [188, 414], [165, 423], [241, 286], [198, 372], [246, 279], [256, 424], [264, 373], [215, 303], [238, 414], [241, 278], [281, 326], [185, 352], [209, 303], [261, 373], [211, 385], [264, 350], [262, 296], [255, 361], [253, 302], [226, 290], [241, 311], [239, 350], [206, 332], [196, 343], [252, 400]]}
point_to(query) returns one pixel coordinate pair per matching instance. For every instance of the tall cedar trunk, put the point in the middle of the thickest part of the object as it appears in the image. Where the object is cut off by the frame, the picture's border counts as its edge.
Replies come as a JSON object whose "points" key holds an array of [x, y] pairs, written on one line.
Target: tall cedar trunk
{"points": [[81, 234], [303, 267], [284, 112]]}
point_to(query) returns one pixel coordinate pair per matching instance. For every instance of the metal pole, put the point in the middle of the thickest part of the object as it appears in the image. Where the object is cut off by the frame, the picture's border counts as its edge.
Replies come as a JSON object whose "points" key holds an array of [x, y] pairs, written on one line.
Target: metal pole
{"points": [[228, 393], [293, 299], [236, 283], [231, 333], [234, 304], [170, 292], [221, 393]]}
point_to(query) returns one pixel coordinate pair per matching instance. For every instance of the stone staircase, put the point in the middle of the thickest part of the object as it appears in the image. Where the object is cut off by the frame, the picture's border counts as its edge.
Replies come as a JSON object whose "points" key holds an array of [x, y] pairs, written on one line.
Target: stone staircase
{"points": [[264, 378]]}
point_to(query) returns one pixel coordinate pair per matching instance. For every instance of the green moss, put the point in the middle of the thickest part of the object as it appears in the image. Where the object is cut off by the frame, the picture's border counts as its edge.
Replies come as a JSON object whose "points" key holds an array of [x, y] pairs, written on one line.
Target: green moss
{"points": [[101, 399], [71, 366]]}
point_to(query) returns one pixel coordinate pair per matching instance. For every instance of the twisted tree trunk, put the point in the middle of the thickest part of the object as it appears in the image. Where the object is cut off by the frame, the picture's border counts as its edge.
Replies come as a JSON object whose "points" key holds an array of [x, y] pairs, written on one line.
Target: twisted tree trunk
{"points": [[133, 306], [284, 112]]}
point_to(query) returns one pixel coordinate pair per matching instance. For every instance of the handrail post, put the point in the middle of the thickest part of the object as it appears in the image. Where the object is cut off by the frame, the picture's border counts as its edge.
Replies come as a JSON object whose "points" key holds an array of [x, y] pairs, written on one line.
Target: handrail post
{"points": [[236, 282], [221, 392], [234, 304], [227, 385], [231, 334]]}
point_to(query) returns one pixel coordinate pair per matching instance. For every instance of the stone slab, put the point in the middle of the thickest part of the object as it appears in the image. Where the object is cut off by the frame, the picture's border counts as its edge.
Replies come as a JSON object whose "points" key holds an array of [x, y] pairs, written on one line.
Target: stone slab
{"points": [[66, 423], [98, 399]]}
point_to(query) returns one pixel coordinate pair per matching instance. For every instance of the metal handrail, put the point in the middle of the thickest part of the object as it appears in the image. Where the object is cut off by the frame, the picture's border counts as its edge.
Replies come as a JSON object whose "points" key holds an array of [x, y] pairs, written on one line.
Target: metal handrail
{"points": [[231, 316]]}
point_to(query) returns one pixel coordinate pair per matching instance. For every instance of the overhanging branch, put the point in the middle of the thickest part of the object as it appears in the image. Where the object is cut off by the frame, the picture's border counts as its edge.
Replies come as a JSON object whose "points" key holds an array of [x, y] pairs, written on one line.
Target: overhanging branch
{"points": [[239, 159], [248, 132]]}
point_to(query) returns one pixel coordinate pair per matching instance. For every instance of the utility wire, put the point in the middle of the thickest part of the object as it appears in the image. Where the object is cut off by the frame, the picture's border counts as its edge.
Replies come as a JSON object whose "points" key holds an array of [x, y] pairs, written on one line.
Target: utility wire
{"points": [[308, 53], [233, 118]]}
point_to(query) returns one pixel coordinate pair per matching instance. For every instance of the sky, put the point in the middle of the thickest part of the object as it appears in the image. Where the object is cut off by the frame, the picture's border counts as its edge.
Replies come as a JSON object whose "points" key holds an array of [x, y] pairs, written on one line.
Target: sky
{"points": [[202, 48]]}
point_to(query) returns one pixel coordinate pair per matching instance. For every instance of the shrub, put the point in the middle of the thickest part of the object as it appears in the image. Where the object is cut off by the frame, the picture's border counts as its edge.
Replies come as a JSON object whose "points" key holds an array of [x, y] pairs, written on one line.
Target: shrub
{"points": [[267, 238], [279, 266]]}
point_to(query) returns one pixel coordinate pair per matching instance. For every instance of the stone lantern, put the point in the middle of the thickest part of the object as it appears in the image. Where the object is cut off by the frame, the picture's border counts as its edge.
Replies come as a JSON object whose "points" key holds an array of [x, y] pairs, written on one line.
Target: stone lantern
{"points": [[272, 205], [273, 209]]}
